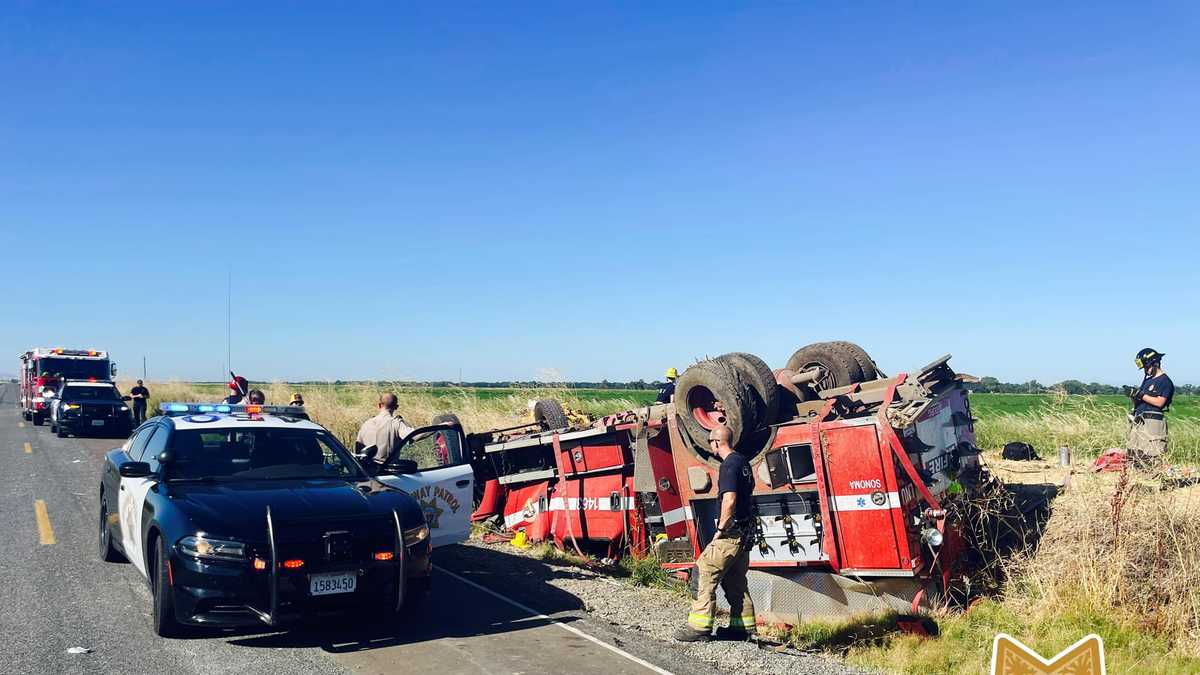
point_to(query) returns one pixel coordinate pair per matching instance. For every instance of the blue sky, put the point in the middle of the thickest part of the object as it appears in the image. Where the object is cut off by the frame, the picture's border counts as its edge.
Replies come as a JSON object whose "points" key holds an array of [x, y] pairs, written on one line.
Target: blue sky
{"points": [[410, 192]]}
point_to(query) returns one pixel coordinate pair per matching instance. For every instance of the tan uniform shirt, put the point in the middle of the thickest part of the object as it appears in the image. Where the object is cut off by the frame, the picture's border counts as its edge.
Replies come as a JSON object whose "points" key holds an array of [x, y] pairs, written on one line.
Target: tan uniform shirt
{"points": [[384, 432]]}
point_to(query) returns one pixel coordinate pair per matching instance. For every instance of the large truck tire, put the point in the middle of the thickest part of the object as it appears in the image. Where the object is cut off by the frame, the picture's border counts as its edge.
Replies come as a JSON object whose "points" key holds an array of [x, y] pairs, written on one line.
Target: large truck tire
{"points": [[758, 375], [446, 418], [839, 365], [711, 393], [864, 360], [550, 415]]}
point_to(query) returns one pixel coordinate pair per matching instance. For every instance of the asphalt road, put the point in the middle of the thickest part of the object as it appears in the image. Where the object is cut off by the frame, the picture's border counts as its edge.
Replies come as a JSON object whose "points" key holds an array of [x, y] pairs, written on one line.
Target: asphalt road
{"points": [[56, 594]]}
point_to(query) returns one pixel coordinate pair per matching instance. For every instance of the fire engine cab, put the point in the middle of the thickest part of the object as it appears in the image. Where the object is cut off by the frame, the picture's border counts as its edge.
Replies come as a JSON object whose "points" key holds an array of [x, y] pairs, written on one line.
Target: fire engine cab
{"points": [[44, 368]]}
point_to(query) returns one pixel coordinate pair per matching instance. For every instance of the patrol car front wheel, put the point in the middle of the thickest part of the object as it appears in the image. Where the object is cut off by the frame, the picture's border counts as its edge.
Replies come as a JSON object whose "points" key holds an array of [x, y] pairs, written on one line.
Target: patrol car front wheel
{"points": [[108, 552], [165, 623]]}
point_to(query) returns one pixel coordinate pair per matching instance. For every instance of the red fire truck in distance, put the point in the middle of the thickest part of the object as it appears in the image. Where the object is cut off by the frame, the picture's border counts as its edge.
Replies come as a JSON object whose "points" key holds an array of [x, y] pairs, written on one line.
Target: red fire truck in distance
{"points": [[44, 368]]}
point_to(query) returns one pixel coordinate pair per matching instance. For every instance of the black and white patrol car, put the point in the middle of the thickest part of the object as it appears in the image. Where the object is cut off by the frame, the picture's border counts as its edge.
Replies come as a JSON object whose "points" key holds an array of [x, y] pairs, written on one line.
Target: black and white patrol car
{"points": [[241, 515], [82, 407]]}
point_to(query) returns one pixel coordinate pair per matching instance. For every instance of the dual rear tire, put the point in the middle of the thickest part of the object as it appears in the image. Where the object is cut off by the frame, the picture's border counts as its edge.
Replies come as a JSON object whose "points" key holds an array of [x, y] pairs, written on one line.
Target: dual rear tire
{"points": [[740, 391]]}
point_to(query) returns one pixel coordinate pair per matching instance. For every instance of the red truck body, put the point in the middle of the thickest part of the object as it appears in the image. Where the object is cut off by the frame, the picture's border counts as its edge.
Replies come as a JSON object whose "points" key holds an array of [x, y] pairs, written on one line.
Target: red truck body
{"points": [[846, 497]]}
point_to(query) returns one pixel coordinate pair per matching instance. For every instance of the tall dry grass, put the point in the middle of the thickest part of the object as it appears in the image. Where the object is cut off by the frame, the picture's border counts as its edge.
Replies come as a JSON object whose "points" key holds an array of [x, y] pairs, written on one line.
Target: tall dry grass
{"points": [[1119, 546], [343, 408], [1082, 423]]}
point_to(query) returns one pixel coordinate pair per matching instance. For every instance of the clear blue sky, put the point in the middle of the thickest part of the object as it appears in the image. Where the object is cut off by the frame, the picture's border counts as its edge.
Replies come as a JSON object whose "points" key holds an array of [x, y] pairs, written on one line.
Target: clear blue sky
{"points": [[602, 192]]}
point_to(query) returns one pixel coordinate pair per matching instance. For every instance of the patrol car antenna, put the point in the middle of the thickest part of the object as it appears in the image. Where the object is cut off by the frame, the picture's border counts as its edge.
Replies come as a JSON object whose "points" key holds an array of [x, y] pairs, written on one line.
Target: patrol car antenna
{"points": [[228, 315]]}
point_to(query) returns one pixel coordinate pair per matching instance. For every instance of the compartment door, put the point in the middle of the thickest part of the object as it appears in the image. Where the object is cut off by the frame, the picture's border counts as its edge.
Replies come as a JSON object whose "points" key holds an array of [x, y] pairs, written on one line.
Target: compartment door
{"points": [[863, 502]]}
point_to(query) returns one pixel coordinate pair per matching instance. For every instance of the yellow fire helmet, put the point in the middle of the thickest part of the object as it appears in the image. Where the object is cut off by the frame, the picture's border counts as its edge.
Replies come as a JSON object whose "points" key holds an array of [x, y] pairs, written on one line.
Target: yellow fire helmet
{"points": [[672, 373]]}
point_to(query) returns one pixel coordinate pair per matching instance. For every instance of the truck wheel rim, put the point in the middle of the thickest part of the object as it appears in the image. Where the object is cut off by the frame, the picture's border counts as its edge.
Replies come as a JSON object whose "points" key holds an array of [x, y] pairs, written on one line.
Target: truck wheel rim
{"points": [[703, 405]]}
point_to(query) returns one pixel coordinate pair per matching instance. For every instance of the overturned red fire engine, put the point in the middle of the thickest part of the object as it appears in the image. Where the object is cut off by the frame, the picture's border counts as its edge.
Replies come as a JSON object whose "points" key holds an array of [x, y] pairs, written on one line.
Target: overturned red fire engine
{"points": [[850, 468]]}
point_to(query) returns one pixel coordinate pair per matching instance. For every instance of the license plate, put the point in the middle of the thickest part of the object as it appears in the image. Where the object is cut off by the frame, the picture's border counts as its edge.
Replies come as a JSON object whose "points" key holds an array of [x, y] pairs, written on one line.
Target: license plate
{"points": [[328, 584], [97, 423]]}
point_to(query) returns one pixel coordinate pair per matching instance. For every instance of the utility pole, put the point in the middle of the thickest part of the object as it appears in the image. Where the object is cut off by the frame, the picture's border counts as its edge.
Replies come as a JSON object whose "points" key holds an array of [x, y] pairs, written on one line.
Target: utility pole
{"points": [[144, 368]]}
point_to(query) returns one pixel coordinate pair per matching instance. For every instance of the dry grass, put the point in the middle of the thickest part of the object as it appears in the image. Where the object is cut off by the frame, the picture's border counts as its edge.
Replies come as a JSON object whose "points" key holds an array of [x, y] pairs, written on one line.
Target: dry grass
{"points": [[1120, 544], [343, 408]]}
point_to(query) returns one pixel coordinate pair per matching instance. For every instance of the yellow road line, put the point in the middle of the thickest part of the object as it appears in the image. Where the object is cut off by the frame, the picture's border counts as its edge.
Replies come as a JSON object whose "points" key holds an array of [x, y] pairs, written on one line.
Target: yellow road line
{"points": [[20, 425], [45, 532], [28, 448]]}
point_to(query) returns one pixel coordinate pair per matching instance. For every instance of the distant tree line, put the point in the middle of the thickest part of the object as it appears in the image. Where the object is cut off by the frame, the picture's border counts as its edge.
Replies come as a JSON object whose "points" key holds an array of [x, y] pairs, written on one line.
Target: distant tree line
{"points": [[991, 385], [508, 384], [985, 385]]}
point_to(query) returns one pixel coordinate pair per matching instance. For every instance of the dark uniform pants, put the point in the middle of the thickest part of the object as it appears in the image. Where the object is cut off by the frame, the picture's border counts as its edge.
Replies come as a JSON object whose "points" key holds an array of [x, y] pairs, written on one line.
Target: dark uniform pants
{"points": [[723, 563], [139, 411]]}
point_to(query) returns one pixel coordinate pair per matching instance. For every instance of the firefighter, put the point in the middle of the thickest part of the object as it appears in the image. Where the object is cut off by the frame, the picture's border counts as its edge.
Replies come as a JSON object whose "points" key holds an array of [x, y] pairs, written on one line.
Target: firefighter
{"points": [[297, 400], [239, 385], [382, 434], [1147, 441], [140, 394], [726, 559], [667, 391]]}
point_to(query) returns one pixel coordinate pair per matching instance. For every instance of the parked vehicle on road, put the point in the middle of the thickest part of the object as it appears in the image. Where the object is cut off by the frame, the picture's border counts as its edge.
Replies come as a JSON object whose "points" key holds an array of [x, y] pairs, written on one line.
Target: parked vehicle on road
{"points": [[82, 407], [248, 515], [43, 369]]}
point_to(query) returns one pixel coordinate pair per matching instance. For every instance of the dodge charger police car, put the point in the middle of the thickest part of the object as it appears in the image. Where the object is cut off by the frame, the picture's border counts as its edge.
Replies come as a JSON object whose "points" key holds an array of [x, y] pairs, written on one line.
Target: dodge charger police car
{"points": [[244, 514]]}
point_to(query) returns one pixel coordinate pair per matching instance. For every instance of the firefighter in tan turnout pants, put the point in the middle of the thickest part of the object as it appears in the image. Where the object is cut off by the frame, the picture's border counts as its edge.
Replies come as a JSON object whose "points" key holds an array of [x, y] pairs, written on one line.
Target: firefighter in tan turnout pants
{"points": [[726, 559], [1147, 441]]}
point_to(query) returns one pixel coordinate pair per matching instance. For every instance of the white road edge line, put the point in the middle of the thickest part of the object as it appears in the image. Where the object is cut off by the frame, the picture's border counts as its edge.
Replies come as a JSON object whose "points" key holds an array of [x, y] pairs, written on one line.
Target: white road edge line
{"points": [[570, 629]]}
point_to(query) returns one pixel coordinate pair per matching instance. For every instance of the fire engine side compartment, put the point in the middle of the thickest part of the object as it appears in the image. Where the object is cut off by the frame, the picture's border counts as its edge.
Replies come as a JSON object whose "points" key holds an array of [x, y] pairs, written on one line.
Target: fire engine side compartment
{"points": [[863, 497]]}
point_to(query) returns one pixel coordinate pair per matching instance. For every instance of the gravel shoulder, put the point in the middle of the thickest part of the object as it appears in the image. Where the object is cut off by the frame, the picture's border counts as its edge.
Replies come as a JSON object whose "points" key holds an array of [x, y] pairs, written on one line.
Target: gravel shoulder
{"points": [[646, 616]]}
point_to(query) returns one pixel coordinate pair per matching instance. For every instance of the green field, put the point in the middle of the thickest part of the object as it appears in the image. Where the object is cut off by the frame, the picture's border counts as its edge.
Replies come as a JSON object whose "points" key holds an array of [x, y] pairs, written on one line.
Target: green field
{"points": [[984, 405]]}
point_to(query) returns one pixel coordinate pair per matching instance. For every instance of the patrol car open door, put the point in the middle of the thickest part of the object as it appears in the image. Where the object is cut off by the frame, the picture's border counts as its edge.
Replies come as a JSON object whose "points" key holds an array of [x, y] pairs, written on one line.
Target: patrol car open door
{"points": [[443, 481]]}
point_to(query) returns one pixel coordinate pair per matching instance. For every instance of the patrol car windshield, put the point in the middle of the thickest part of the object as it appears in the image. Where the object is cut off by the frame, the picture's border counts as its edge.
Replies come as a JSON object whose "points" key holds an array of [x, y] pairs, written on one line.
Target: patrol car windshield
{"points": [[74, 369], [90, 393], [259, 454]]}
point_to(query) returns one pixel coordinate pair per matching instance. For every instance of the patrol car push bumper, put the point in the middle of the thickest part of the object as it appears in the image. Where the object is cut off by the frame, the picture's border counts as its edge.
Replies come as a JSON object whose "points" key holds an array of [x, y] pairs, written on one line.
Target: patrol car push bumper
{"points": [[271, 616]]}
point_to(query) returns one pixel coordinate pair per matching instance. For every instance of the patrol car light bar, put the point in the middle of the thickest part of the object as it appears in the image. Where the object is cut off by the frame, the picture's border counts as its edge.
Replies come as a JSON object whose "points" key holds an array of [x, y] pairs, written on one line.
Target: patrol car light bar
{"points": [[226, 408]]}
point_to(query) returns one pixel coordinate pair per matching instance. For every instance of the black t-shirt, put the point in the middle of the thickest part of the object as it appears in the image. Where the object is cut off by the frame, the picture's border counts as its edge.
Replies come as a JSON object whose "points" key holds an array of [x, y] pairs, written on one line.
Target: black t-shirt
{"points": [[139, 391], [735, 477], [665, 393], [1160, 385]]}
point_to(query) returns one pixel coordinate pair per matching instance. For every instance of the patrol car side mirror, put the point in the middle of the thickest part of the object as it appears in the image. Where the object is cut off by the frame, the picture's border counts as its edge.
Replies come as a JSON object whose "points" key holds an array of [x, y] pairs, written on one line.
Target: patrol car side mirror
{"points": [[402, 466], [134, 470]]}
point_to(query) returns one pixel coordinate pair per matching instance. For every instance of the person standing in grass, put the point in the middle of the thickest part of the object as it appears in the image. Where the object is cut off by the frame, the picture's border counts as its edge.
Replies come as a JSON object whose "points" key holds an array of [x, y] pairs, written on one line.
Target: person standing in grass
{"points": [[140, 394], [667, 391], [1147, 443], [381, 435], [726, 559]]}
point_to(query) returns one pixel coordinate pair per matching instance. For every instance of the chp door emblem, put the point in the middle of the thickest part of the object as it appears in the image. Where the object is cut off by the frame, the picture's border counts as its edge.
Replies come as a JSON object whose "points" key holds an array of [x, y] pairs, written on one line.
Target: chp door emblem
{"points": [[878, 498]]}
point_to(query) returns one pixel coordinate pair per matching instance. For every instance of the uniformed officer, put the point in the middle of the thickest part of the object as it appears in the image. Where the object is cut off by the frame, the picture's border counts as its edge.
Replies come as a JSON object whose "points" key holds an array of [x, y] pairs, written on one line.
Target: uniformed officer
{"points": [[726, 559], [382, 434], [667, 391], [1147, 441]]}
